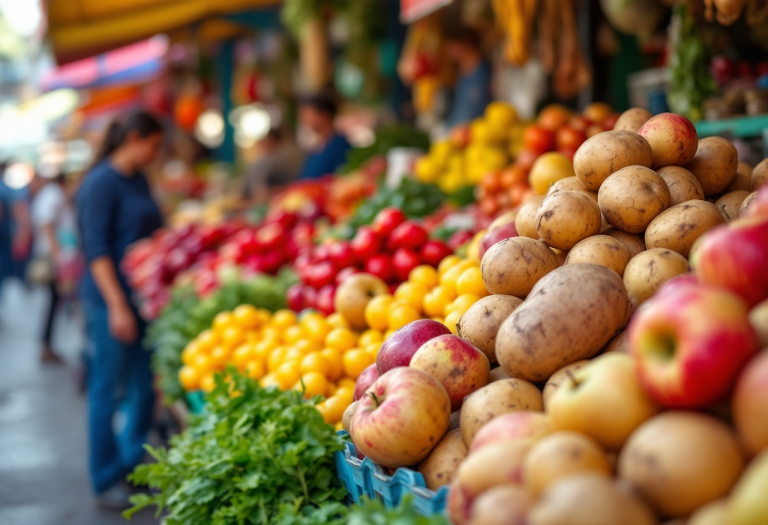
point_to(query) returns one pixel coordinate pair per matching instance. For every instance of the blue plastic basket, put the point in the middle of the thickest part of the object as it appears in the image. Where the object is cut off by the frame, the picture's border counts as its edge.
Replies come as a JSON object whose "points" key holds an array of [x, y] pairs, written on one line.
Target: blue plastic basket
{"points": [[366, 478], [196, 401]]}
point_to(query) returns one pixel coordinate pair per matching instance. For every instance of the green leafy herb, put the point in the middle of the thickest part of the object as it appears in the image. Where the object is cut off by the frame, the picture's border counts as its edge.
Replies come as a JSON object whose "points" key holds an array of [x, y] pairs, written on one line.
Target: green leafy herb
{"points": [[371, 512], [415, 198], [262, 456]]}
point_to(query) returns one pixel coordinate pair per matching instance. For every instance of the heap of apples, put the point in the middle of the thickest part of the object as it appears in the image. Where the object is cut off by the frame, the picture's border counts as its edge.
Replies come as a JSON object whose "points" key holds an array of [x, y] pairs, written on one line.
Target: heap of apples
{"points": [[389, 249]]}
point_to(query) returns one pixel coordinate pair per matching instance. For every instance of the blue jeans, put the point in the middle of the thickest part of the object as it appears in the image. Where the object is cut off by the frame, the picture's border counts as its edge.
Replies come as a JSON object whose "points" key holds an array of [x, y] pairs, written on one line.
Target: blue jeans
{"points": [[119, 378]]}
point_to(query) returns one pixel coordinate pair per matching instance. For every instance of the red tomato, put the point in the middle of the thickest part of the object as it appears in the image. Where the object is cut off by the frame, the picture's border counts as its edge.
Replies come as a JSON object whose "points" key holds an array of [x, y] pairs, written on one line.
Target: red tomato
{"points": [[525, 160], [404, 260], [554, 116], [324, 301], [407, 235], [295, 297], [346, 272], [569, 138], [381, 266], [491, 181], [538, 139], [321, 274], [610, 121], [341, 255], [580, 123], [512, 176], [457, 239], [387, 220], [366, 243]]}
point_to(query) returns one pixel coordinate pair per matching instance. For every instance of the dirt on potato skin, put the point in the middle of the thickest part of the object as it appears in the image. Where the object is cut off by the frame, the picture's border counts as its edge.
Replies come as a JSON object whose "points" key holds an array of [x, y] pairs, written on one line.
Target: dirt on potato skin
{"points": [[678, 227], [605, 153]]}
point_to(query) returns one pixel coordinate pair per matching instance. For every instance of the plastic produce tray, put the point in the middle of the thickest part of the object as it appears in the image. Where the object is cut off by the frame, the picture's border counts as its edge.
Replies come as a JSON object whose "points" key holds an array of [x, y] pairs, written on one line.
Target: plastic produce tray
{"points": [[366, 478], [196, 401]]}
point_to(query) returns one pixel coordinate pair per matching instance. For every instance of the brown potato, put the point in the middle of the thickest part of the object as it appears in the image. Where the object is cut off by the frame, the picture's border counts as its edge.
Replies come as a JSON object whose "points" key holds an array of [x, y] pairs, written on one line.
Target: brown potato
{"points": [[560, 454], [745, 204], [496, 398], [566, 217], [570, 315], [683, 185], [561, 256], [556, 379], [571, 184], [730, 203], [480, 323], [632, 119], [672, 137], [514, 265], [497, 374], [632, 197], [607, 152], [759, 175], [647, 271], [619, 344], [715, 164], [743, 178], [678, 227], [501, 505], [440, 466], [603, 250], [525, 222], [634, 242]]}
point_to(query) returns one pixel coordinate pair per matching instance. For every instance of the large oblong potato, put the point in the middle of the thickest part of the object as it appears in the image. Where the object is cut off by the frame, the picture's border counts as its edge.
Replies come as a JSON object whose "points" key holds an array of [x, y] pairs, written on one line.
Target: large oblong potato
{"points": [[571, 184], [494, 399], [647, 271], [440, 466], [514, 265], [632, 197], [525, 222], [603, 250], [607, 152], [678, 227], [730, 203], [632, 119], [480, 323], [569, 315], [566, 217], [683, 185], [759, 175], [632, 241], [715, 164]]}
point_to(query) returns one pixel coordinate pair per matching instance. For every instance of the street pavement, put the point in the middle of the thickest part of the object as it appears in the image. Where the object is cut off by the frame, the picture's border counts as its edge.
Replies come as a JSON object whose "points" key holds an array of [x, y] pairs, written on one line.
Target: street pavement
{"points": [[43, 444]]}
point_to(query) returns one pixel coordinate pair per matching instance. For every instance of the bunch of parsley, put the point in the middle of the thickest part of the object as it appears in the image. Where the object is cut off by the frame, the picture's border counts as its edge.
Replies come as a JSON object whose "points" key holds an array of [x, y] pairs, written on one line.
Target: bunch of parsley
{"points": [[259, 456], [372, 512]]}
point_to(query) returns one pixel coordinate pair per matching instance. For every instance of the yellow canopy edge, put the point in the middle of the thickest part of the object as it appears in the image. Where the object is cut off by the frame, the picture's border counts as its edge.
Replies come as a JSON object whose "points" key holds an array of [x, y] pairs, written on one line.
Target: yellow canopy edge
{"points": [[75, 26]]}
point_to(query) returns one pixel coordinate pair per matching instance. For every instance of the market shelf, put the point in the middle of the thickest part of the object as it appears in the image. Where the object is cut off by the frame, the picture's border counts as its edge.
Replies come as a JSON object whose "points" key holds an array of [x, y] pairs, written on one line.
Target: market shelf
{"points": [[738, 127]]}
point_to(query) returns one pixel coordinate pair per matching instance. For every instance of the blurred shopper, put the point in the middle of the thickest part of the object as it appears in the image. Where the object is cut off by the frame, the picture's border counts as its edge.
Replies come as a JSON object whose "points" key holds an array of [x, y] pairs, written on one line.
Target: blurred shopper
{"points": [[278, 165], [15, 229], [49, 214], [116, 209], [329, 148], [472, 92]]}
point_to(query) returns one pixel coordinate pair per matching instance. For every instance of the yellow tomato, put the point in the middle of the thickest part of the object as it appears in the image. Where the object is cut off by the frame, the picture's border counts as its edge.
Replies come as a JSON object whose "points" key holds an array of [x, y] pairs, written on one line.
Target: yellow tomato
{"points": [[372, 348], [451, 320], [292, 335], [207, 382], [330, 389], [355, 361], [232, 337], [265, 316], [315, 327], [336, 320], [220, 356], [461, 304], [412, 293], [189, 378], [334, 409], [271, 333], [255, 369], [246, 316], [449, 279], [222, 321], [276, 358], [313, 384], [293, 354], [307, 346], [448, 263], [346, 383], [338, 427], [346, 393], [287, 374], [334, 359], [315, 362], [283, 319], [252, 336], [388, 334], [189, 353], [202, 363], [341, 339], [400, 314], [370, 337], [471, 282], [268, 381], [424, 275], [207, 340], [262, 349], [436, 300], [439, 319], [376, 311]]}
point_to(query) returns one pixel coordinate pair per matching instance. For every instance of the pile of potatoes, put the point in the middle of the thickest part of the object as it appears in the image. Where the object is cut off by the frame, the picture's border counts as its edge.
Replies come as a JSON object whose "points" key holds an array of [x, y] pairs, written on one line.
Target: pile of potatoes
{"points": [[588, 254]]}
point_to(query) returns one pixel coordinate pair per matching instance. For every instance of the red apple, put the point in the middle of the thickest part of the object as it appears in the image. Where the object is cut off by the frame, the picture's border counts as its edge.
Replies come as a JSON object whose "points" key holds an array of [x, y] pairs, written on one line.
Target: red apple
{"points": [[759, 205], [387, 220], [407, 235], [689, 344], [454, 241], [750, 404], [435, 251], [512, 426], [460, 367], [675, 282], [404, 260], [346, 272], [324, 301], [270, 237], [401, 417], [381, 266], [364, 381], [735, 258], [353, 296], [401, 345], [668, 129], [321, 274], [496, 235], [341, 255], [366, 243], [295, 297]]}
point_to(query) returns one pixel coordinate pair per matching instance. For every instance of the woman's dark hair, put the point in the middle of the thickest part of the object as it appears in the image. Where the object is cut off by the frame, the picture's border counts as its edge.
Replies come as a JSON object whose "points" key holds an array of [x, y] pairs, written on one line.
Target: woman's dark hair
{"points": [[119, 129]]}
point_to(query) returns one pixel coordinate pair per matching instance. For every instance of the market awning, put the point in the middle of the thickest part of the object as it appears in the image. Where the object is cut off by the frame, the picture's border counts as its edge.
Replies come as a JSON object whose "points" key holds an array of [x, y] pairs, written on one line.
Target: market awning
{"points": [[81, 28]]}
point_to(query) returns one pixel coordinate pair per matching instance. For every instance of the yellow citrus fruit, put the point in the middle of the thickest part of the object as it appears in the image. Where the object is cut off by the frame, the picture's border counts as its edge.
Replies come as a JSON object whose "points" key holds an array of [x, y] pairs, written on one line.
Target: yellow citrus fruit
{"points": [[246, 316], [255, 369], [346, 393], [189, 378], [424, 275], [346, 382], [313, 384], [334, 409], [336, 320], [276, 358], [189, 352], [341, 339], [448, 263], [355, 361], [315, 327], [207, 340], [207, 382], [412, 293], [451, 320], [400, 314], [461, 304], [220, 356], [222, 321], [370, 337], [471, 281], [283, 319], [268, 381], [376, 311], [232, 337], [292, 335], [315, 362], [334, 359]]}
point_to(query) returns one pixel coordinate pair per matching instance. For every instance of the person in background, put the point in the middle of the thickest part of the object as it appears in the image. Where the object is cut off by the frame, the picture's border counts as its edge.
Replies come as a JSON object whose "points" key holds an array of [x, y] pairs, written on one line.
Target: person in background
{"points": [[279, 164], [472, 92], [114, 210], [15, 229], [329, 151], [48, 214]]}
